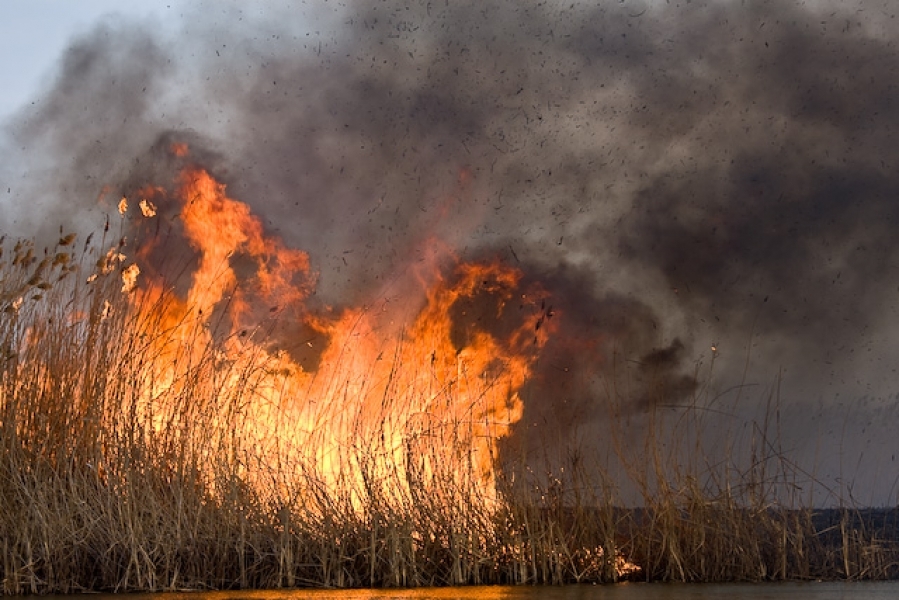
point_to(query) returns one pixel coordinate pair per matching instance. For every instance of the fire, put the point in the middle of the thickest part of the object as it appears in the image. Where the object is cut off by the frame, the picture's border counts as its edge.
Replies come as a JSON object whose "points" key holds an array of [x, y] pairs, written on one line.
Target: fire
{"points": [[228, 369], [391, 403], [219, 228]]}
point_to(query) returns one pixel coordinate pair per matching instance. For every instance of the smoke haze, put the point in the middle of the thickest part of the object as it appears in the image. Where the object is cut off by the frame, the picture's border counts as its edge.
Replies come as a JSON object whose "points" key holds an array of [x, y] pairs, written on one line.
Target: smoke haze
{"points": [[692, 182]]}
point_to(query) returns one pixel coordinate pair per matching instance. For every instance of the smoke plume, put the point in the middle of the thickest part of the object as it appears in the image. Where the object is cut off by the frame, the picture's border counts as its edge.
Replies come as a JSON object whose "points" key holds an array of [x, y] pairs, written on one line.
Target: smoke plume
{"points": [[691, 182]]}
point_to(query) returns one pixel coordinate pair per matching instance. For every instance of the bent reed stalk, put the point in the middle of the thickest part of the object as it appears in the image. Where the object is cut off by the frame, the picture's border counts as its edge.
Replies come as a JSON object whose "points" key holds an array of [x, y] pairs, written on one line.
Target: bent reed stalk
{"points": [[113, 480]]}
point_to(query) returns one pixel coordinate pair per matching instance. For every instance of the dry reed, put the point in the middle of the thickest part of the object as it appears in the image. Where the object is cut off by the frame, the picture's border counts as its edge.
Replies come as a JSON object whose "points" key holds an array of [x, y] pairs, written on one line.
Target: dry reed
{"points": [[102, 490]]}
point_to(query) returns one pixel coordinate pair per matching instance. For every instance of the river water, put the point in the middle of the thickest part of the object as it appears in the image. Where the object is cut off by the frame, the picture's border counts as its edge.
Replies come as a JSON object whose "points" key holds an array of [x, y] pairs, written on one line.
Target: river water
{"points": [[888, 590]]}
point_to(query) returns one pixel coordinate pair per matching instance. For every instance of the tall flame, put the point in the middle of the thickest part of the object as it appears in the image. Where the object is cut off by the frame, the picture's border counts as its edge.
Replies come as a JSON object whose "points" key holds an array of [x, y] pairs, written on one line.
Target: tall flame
{"points": [[382, 396]]}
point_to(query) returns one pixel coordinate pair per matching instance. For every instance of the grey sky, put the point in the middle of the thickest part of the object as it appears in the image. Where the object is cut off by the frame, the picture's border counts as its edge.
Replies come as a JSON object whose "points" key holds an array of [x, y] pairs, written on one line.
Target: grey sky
{"points": [[34, 34]]}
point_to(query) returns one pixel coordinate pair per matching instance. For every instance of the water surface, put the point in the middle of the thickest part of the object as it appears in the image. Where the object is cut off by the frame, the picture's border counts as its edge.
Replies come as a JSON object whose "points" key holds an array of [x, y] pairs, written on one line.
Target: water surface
{"points": [[888, 590]]}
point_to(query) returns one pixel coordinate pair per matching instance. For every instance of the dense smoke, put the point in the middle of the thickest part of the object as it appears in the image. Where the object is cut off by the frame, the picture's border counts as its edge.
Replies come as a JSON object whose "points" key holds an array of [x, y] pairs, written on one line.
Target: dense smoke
{"points": [[688, 180]]}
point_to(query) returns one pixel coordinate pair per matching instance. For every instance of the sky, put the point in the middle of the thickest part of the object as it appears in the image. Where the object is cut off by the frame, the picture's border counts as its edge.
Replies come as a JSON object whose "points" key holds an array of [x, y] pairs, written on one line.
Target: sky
{"points": [[34, 34], [705, 186]]}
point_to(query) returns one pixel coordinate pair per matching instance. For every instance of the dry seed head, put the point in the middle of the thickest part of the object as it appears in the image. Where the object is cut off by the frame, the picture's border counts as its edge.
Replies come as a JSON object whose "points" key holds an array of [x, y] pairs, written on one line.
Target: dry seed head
{"points": [[107, 263], [123, 205], [23, 258], [65, 241], [129, 278], [147, 208]]}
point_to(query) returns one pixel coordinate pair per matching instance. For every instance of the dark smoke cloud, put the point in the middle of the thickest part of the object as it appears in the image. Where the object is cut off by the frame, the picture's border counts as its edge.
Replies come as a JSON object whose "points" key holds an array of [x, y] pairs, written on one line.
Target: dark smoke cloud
{"points": [[677, 175], [785, 221]]}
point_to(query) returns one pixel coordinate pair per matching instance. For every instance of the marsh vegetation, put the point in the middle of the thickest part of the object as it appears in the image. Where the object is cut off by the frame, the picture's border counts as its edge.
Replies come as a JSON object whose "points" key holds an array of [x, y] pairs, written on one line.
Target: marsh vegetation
{"points": [[116, 475]]}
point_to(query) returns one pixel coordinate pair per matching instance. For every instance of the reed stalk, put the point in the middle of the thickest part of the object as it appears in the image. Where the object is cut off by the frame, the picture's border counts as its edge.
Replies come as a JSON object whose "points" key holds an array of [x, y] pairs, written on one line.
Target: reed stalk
{"points": [[113, 480]]}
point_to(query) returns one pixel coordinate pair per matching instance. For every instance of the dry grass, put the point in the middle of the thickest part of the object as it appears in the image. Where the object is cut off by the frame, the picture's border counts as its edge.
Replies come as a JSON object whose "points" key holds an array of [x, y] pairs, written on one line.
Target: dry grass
{"points": [[101, 489]]}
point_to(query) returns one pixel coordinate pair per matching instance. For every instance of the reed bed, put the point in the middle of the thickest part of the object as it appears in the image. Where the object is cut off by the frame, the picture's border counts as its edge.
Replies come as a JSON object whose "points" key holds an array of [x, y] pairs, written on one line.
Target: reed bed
{"points": [[104, 487]]}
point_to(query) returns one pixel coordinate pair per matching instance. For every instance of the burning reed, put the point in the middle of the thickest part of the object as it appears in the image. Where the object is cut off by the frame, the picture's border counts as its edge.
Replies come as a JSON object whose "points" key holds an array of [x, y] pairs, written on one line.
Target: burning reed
{"points": [[530, 218], [148, 442]]}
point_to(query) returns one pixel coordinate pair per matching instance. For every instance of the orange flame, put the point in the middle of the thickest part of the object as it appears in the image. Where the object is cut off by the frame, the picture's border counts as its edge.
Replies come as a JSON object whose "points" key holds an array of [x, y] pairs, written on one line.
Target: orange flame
{"points": [[382, 392]]}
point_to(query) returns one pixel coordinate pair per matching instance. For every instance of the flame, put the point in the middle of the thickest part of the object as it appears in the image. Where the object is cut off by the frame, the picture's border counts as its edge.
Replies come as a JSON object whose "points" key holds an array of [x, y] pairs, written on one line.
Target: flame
{"points": [[179, 149], [395, 399]]}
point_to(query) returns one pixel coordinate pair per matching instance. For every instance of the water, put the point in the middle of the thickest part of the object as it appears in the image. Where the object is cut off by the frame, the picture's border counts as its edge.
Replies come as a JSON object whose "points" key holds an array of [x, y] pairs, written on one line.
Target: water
{"points": [[881, 590]]}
